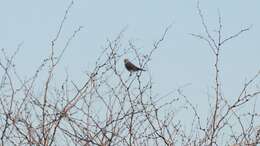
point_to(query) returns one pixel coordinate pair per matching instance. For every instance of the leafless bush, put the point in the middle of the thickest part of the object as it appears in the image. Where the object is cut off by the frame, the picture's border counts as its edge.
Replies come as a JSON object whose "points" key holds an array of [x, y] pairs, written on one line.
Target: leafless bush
{"points": [[112, 108], [227, 119]]}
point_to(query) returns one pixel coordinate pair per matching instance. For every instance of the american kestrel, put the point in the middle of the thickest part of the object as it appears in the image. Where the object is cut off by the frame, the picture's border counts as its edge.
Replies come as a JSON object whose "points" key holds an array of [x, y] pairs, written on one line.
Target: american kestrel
{"points": [[131, 67]]}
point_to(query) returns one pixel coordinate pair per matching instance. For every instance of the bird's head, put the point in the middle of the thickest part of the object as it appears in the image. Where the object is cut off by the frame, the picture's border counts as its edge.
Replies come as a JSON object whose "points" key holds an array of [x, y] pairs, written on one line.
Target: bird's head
{"points": [[126, 60]]}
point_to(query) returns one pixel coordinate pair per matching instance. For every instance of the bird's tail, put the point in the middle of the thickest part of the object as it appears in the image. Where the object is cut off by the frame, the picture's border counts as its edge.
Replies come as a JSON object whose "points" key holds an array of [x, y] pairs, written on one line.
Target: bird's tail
{"points": [[141, 69]]}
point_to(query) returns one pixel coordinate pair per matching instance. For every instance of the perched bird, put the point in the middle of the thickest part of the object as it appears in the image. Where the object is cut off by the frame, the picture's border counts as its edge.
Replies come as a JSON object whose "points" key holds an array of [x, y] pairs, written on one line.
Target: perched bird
{"points": [[131, 67]]}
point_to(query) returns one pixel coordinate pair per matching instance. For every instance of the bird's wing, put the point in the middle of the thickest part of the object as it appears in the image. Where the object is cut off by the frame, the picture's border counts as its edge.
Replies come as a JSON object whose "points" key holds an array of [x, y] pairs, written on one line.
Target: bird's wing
{"points": [[131, 66]]}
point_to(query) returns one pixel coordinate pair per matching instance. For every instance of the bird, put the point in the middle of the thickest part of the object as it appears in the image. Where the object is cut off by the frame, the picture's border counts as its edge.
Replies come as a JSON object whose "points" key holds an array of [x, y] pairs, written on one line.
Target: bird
{"points": [[131, 67]]}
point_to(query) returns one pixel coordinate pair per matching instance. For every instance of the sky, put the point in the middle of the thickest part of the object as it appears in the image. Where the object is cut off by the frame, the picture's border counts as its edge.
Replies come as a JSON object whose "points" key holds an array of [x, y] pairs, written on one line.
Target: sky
{"points": [[180, 60]]}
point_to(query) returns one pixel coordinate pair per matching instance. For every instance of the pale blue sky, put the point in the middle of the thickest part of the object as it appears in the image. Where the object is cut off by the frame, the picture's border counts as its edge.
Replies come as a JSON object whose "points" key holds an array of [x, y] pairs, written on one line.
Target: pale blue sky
{"points": [[181, 58]]}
